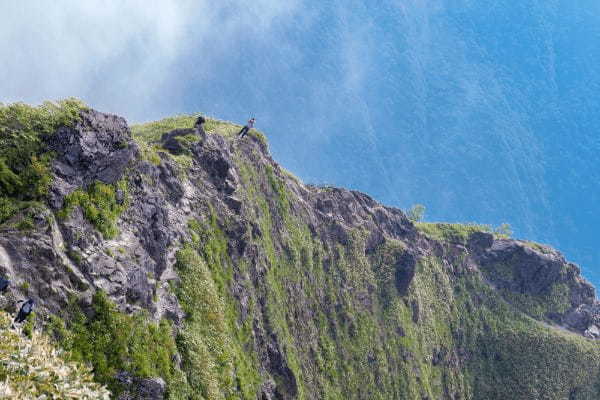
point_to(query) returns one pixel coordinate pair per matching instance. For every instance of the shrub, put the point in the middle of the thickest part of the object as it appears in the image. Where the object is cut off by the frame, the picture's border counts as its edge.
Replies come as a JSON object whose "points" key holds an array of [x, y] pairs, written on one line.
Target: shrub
{"points": [[7, 208], [24, 159], [112, 341], [29, 324], [25, 224], [75, 256], [504, 230], [416, 213], [99, 205], [31, 367]]}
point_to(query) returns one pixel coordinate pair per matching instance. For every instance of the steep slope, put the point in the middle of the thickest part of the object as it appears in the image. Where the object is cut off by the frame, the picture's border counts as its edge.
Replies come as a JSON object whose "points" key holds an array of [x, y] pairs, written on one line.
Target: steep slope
{"points": [[188, 264]]}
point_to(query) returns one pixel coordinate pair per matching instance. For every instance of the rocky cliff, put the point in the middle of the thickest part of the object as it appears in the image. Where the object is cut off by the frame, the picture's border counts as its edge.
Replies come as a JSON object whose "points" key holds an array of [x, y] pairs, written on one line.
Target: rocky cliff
{"points": [[185, 263]]}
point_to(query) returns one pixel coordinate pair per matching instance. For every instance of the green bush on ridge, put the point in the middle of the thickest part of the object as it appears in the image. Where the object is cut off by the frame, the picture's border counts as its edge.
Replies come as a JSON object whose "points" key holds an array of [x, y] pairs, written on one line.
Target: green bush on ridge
{"points": [[416, 213], [24, 160]]}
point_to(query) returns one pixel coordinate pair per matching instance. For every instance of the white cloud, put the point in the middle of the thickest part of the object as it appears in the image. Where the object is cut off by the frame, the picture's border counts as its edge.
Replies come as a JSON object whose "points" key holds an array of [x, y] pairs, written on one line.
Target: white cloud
{"points": [[118, 54]]}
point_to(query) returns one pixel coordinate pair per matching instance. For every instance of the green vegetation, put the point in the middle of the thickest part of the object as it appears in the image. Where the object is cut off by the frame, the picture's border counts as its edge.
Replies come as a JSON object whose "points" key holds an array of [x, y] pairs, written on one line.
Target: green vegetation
{"points": [[203, 342], [504, 230], [186, 141], [8, 208], [278, 187], [454, 233], [32, 367], [416, 213], [24, 159], [25, 224], [29, 325], [449, 337], [335, 346], [152, 131], [75, 256], [112, 341], [544, 249], [213, 345], [552, 300], [148, 136], [459, 233], [24, 286], [100, 206], [513, 356]]}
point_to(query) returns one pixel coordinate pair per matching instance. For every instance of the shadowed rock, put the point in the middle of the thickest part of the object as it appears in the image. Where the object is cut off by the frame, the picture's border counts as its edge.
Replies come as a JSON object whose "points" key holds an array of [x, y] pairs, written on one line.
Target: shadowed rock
{"points": [[405, 272]]}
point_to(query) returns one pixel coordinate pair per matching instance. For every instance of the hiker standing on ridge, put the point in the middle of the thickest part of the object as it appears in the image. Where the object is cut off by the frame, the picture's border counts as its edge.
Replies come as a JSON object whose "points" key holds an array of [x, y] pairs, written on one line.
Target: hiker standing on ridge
{"points": [[246, 128]]}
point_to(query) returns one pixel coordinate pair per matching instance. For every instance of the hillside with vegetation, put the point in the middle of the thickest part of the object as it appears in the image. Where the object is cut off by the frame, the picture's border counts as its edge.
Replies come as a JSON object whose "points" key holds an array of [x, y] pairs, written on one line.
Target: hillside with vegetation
{"points": [[185, 263]]}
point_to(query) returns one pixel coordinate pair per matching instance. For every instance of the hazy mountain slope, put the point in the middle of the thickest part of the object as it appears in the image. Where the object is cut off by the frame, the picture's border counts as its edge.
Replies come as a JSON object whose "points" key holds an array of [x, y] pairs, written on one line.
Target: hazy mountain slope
{"points": [[273, 289]]}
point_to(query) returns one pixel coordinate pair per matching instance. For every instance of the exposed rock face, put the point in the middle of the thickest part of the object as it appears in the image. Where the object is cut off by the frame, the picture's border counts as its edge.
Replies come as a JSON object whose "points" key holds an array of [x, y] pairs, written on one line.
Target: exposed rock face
{"points": [[534, 271], [142, 389], [518, 267], [38, 265], [338, 295], [405, 272], [584, 318], [98, 148]]}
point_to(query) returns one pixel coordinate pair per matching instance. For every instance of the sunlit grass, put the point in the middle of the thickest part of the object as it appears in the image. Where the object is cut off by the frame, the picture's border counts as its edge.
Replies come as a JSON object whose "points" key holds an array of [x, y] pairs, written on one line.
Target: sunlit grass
{"points": [[34, 369]]}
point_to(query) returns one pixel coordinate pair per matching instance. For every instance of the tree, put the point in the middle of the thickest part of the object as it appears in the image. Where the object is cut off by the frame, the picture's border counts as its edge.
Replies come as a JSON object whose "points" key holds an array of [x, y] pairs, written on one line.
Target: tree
{"points": [[416, 212], [504, 229]]}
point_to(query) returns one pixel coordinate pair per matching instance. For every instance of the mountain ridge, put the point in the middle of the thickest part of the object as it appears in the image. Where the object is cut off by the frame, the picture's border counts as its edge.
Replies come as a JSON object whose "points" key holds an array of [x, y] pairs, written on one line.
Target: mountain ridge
{"points": [[273, 289]]}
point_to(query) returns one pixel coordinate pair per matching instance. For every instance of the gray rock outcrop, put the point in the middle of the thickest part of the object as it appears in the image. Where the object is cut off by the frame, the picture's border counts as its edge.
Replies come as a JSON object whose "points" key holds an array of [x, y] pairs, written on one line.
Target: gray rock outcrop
{"points": [[97, 148]]}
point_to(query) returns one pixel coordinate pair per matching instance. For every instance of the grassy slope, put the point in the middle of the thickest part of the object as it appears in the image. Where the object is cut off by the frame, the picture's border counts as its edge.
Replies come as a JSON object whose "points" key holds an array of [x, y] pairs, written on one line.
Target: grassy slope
{"points": [[450, 337]]}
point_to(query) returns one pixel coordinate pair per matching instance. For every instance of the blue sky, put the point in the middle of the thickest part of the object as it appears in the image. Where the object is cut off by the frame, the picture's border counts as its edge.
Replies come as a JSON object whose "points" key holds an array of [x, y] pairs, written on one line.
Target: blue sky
{"points": [[484, 111]]}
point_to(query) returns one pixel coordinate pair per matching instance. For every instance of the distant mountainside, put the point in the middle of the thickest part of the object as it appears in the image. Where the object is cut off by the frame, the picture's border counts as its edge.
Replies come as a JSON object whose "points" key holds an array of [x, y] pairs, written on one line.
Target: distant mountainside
{"points": [[186, 263]]}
